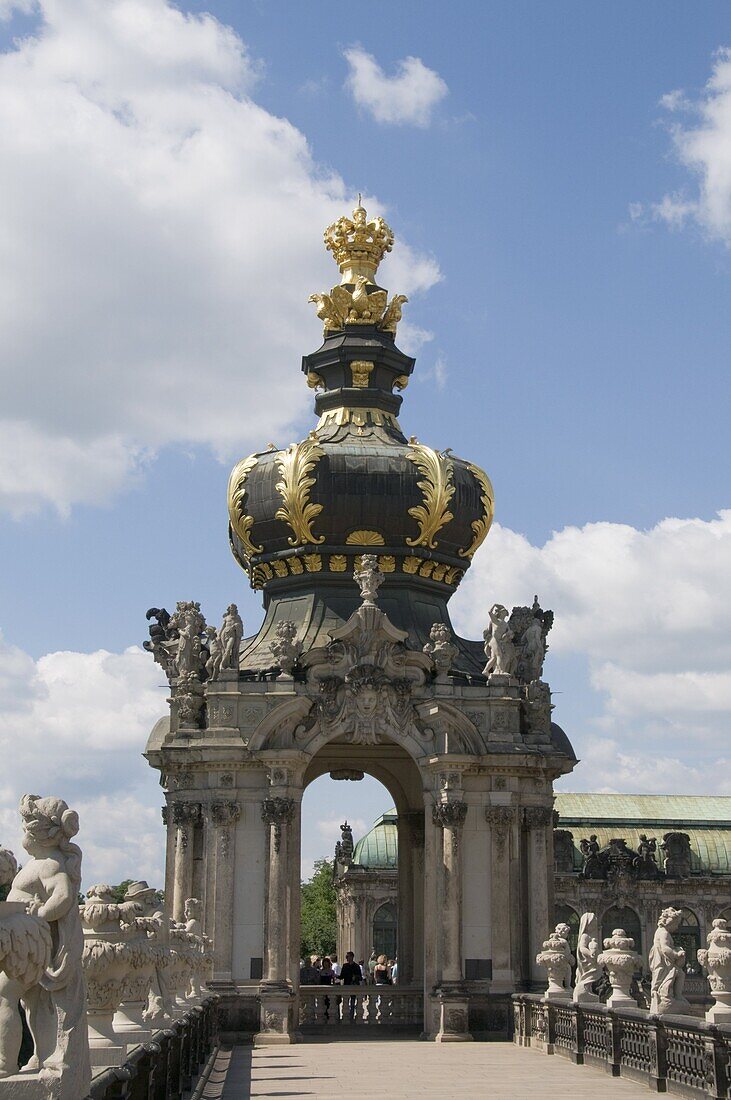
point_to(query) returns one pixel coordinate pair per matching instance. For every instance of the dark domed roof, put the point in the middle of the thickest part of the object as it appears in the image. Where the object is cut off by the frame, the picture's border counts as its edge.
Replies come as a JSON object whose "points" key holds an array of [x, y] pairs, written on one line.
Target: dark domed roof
{"points": [[301, 517]]}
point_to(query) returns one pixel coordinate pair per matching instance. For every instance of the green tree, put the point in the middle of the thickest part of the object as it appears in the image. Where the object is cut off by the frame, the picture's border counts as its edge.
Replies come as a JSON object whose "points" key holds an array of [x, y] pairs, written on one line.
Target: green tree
{"points": [[318, 921]]}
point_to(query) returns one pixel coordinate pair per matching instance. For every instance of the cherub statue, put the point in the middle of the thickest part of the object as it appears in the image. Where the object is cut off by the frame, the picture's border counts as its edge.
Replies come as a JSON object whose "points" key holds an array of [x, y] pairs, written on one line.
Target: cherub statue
{"points": [[42, 963], [154, 928], [588, 970], [232, 631], [213, 664], [666, 965], [499, 647]]}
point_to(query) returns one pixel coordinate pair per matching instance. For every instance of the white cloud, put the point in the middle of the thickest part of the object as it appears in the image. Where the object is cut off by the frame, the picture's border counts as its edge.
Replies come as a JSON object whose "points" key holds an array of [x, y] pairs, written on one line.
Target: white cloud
{"points": [[650, 611], [329, 828], [408, 98], [704, 146], [159, 236], [74, 725]]}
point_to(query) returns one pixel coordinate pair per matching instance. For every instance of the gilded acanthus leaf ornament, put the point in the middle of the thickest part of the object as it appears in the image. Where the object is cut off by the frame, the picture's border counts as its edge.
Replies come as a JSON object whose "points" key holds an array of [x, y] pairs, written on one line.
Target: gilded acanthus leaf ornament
{"points": [[480, 527], [437, 486], [240, 520], [295, 466]]}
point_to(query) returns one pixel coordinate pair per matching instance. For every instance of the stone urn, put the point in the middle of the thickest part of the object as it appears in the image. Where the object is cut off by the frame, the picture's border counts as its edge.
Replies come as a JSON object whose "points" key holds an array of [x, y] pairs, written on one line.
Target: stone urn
{"points": [[106, 964], [130, 1022], [557, 959], [621, 962], [716, 960]]}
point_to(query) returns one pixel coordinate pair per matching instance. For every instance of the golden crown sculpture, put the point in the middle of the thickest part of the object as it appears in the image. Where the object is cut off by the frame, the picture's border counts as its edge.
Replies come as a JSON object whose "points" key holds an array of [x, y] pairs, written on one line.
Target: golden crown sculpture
{"points": [[358, 246]]}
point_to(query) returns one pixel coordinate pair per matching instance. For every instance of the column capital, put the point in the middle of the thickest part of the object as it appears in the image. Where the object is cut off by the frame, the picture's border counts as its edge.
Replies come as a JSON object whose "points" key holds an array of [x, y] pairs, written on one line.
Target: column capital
{"points": [[186, 813], [225, 812], [500, 819], [449, 814], [538, 817], [277, 812]]}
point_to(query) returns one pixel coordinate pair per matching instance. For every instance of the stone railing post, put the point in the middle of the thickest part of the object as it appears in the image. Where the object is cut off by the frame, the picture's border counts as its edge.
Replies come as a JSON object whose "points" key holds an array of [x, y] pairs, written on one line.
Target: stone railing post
{"points": [[275, 992], [453, 1001]]}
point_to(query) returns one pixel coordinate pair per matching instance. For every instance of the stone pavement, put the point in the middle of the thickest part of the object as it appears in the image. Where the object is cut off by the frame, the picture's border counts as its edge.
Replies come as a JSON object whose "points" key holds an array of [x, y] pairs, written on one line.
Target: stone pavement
{"points": [[404, 1070]]}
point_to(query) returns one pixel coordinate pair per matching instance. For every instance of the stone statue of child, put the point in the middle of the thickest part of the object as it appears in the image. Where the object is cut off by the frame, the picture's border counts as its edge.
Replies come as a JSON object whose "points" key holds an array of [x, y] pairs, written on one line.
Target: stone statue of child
{"points": [[666, 965], [55, 1003], [499, 645], [588, 970], [154, 924]]}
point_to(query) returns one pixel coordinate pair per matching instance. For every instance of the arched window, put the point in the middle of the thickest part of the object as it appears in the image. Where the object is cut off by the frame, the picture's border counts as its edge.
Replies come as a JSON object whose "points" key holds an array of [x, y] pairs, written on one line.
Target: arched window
{"points": [[623, 917], [725, 914], [688, 935], [385, 930], [566, 915]]}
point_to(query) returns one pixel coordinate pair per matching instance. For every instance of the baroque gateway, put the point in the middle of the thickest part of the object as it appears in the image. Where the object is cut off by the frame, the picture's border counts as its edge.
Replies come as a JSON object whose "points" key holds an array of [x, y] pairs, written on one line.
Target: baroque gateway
{"points": [[357, 538]]}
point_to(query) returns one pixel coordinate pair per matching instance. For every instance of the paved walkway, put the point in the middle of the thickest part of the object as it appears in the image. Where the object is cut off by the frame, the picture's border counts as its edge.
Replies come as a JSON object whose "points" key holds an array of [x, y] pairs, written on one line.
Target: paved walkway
{"points": [[403, 1070]]}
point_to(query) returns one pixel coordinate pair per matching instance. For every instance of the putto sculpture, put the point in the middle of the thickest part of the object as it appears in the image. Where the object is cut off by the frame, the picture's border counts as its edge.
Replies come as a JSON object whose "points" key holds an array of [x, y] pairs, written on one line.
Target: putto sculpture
{"points": [[588, 971], [666, 965], [499, 648], [49, 983]]}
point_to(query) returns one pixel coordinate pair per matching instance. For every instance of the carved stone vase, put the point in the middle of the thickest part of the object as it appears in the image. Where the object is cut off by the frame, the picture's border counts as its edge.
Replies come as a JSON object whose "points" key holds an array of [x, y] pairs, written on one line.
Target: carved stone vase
{"points": [[716, 960], [130, 1020], [621, 962], [557, 960]]}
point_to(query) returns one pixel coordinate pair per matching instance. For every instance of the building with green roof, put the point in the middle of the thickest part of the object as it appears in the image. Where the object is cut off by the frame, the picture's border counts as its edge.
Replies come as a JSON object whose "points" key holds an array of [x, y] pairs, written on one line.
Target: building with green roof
{"points": [[624, 856]]}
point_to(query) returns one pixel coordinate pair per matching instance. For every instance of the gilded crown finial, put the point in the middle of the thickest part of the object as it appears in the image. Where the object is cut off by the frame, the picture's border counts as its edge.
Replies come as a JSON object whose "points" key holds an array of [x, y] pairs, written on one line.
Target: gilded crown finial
{"points": [[358, 245]]}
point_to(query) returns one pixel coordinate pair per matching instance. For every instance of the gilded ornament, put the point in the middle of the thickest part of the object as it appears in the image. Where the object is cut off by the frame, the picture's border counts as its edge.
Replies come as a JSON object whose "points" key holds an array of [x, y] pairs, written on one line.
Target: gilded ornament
{"points": [[480, 527], [411, 564], [401, 382], [387, 563], [437, 487], [453, 575], [438, 571], [358, 245], [315, 381], [313, 563], [392, 316], [368, 417], [361, 370], [365, 538], [425, 569], [295, 565], [280, 568], [295, 466], [260, 575], [240, 521], [338, 563]]}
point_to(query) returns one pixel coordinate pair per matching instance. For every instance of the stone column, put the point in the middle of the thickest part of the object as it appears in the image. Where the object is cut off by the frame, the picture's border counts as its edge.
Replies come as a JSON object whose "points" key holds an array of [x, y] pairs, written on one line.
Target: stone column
{"points": [[275, 991], [453, 1001], [406, 829], [186, 817], [224, 814], [538, 820], [170, 843], [432, 906], [501, 819]]}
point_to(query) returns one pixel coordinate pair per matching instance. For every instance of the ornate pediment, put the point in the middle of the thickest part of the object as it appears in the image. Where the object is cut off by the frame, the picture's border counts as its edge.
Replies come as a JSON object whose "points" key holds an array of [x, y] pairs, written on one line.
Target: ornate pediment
{"points": [[364, 680]]}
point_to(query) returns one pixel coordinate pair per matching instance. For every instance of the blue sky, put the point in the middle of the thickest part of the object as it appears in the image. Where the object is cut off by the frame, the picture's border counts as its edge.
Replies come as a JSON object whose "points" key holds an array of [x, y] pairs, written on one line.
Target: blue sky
{"points": [[564, 236]]}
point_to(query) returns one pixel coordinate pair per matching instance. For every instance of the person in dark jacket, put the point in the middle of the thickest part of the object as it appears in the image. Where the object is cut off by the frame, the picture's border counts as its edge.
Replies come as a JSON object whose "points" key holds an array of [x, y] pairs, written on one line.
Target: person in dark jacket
{"points": [[350, 974]]}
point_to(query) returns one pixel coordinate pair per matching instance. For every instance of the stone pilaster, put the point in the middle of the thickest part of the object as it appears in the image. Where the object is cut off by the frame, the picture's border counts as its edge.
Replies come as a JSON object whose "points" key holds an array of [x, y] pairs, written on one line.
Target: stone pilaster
{"points": [[453, 1021], [538, 820], [501, 819], [224, 815], [186, 818], [275, 991]]}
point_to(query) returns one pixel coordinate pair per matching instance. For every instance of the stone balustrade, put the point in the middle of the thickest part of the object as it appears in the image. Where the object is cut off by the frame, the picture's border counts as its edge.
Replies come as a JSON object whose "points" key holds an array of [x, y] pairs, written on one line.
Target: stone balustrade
{"points": [[675, 1054]]}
